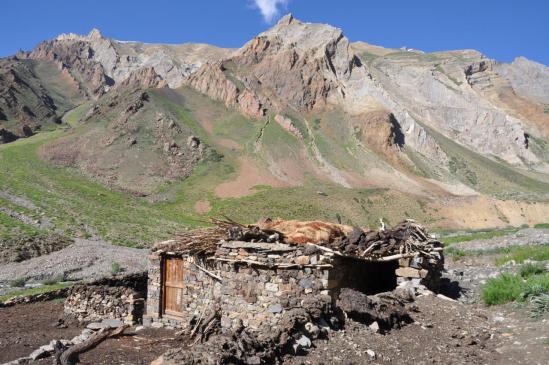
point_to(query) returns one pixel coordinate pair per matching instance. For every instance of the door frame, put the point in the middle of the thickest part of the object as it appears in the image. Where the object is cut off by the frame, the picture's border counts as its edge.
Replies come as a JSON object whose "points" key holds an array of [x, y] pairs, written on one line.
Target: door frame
{"points": [[163, 288]]}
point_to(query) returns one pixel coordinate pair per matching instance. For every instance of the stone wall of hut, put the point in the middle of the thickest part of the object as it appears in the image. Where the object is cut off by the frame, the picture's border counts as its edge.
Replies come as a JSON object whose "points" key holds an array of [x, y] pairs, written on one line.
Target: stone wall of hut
{"points": [[258, 285]]}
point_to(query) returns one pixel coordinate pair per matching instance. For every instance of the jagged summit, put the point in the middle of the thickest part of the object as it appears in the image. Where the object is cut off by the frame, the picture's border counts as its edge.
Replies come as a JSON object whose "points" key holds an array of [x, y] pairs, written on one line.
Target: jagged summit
{"points": [[301, 35], [93, 35], [399, 113]]}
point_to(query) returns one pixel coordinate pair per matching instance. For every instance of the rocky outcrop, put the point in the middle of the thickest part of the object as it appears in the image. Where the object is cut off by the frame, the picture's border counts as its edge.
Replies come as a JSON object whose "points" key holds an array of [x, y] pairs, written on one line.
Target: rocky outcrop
{"points": [[212, 80], [28, 100], [79, 58], [288, 125], [145, 78], [100, 62], [297, 63], [138, 148], [382, 132], [528, 78], [17, 248], [449, 101]]}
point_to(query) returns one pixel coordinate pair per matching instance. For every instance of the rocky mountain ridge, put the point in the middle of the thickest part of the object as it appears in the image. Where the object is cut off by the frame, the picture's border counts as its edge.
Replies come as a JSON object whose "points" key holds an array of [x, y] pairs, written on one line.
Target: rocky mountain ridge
{"points": [[356, 115]]}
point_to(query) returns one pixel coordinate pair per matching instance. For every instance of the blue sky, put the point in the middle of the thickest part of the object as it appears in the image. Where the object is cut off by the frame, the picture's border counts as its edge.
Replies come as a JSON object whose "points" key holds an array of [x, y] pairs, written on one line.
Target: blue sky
{"points": [[502, 29]]}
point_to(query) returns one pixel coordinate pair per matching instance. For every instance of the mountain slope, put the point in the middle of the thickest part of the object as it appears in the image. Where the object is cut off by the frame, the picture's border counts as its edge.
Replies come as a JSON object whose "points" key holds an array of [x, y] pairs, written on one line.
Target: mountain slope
{"points": [[296, 113]]}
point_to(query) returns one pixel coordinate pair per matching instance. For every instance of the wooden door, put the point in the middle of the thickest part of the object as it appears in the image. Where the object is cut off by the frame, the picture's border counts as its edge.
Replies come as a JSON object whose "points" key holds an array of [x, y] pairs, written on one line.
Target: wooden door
{"points": [[173, 286]]}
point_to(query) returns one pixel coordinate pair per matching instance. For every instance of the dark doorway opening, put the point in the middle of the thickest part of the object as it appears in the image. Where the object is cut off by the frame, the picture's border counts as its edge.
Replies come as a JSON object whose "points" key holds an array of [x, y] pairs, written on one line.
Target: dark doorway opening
{"points": [[367, 277]]}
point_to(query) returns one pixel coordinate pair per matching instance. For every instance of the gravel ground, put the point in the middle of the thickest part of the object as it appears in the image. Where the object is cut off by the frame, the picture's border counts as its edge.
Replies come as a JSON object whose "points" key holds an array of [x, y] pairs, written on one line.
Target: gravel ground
{"points": [[523, 237], [471, 272], [83, 260]]}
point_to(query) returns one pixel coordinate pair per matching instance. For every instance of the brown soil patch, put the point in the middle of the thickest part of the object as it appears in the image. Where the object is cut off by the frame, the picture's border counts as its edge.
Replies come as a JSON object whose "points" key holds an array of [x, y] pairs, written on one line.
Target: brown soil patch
{"points": [[481, 212], [229, 143], [443, 332], [26, 327], [250, 175], [202, 206]]}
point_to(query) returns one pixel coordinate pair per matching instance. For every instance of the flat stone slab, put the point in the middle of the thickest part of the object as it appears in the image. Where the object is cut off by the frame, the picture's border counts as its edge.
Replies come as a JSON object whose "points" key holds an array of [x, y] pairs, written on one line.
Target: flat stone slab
{"points": [[106, 323], [94, 326], [260, 246], [112, 323]]}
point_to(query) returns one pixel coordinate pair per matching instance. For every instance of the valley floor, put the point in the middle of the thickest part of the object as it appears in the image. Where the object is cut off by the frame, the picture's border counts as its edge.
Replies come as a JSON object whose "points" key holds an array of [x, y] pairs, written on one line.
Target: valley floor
{"points": [[461, 331]]}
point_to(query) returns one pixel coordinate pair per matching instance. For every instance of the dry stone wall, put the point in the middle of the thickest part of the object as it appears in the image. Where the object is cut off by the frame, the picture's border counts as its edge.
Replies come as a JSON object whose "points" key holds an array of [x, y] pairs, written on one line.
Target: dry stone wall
{"points": [[253, 284], [115, 298]]}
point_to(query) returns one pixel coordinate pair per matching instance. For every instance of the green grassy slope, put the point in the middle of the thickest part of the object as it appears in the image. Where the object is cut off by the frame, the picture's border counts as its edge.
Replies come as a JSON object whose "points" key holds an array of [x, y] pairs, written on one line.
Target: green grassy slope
{"points": [[81, 207], [495, 178]]}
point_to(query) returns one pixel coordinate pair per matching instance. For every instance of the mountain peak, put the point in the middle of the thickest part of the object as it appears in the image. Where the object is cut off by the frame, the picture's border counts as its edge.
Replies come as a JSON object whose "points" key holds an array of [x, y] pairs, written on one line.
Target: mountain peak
{"points": [[286, 19], [95, 34]]}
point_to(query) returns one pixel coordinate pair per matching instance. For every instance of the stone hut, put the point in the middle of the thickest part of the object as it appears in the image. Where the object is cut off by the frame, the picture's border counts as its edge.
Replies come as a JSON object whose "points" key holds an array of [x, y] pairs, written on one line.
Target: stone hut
{"points": [[254, 283]]}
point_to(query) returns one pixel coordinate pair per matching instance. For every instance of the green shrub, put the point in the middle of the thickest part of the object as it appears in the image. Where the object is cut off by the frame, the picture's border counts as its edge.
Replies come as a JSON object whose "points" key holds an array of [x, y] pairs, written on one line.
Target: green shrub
{"points": [[53, 279], [522, 253], [115, 268], [539, 305], [510, 287], [541, 225], [33, 291], [17, 283], [532, 269], [537, 284], [456, 253], [503, 289]]}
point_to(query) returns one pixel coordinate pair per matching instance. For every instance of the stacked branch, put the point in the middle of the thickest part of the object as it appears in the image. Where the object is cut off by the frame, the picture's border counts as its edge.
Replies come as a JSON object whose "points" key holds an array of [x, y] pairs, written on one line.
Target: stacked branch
{"points": [[407, 239]]}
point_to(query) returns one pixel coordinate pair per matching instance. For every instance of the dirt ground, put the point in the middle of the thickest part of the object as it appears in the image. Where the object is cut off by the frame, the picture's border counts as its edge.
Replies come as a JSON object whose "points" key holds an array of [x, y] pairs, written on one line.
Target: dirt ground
{"points": [[26, 327], [23, 328], [443, 331]]}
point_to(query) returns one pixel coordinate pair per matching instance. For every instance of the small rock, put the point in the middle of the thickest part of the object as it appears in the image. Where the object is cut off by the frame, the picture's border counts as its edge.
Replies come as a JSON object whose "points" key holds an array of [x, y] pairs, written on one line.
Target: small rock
{"points": [[275, 308], [323, 324], [47, 348], [139, 328], [111, 323], [157, 325], [312, 330], [301, 343], [38, 354], [225, 322], [305, 283], [441, 296], [94, 326], [371, 354], [374, 327]]}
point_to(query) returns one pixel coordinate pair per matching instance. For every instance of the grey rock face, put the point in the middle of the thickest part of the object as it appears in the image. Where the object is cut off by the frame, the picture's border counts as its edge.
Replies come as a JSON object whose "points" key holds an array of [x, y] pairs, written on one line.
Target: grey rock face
{"points": [[528, 78], [118, 60]]}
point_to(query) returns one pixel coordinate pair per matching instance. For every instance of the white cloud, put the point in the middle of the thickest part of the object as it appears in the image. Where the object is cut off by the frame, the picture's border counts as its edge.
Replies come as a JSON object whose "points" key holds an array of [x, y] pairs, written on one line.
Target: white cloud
{"points": [[270, 9]]}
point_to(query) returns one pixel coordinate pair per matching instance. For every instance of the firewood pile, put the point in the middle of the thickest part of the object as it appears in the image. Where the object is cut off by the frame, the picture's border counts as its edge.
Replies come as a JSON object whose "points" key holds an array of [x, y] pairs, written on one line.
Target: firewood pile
{"points": [[407, 239]]}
